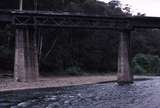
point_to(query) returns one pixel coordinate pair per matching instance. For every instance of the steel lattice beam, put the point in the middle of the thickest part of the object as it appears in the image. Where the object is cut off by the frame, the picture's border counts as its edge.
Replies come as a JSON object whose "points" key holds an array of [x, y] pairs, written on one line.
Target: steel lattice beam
{"points": [[70, 21], [47, 19]]}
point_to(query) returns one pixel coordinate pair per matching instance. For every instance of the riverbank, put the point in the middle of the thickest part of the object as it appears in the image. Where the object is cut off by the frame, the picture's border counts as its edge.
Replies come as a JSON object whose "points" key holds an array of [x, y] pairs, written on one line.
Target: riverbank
{"points": [[56, 81], [141, 94]]}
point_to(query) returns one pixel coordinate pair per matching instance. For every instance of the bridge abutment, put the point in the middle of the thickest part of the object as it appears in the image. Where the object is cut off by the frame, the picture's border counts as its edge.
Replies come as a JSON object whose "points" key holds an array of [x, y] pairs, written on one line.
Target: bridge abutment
{"points": [[26, 57], [124, 73]]}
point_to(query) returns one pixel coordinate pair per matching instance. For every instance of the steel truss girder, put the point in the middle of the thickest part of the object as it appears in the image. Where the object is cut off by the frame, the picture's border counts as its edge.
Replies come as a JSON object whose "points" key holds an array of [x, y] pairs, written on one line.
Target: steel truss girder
{"points": [[65, 21], [46, 19]]}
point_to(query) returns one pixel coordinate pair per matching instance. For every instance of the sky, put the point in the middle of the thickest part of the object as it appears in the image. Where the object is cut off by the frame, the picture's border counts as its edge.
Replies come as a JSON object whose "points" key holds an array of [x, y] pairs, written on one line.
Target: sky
{"points": [[149, 7]]}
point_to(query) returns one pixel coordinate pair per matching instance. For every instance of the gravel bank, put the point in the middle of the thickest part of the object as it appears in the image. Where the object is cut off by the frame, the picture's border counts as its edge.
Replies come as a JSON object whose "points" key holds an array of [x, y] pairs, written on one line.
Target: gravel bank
{"points": [[9, 84], [47, 82]]}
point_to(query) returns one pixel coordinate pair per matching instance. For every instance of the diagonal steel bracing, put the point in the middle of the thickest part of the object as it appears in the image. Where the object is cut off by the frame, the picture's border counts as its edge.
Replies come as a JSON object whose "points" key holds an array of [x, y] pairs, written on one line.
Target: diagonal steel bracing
{"points": [[75, 20]]}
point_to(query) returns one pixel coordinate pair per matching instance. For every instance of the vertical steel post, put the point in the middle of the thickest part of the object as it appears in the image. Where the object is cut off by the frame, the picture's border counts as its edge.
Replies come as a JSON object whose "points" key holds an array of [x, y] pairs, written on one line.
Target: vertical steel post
{"points": [[21, 5]]}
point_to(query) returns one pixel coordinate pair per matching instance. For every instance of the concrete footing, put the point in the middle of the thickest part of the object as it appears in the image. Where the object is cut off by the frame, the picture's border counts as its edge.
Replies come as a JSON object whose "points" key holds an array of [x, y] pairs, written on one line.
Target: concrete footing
{"points": [[124, 74], [26, 57]]}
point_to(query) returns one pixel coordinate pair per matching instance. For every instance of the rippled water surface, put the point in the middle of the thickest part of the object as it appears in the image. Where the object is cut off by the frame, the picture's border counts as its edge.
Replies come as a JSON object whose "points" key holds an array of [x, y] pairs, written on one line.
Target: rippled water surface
{"points": [[141, 94]]}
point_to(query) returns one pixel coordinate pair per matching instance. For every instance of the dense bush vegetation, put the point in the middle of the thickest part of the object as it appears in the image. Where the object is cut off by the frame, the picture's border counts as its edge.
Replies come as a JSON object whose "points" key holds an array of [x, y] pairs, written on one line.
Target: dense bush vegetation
{"points": [[68, 50], [146, 64]]}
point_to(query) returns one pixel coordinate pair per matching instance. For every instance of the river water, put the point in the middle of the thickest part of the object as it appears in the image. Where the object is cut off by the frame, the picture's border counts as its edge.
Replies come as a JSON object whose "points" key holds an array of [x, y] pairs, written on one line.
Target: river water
{"points": [[141, 94]]}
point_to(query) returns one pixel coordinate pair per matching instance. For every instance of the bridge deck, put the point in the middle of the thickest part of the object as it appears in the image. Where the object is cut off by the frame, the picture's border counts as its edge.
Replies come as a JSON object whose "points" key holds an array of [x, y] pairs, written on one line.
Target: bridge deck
{"points": [[75, 20]]}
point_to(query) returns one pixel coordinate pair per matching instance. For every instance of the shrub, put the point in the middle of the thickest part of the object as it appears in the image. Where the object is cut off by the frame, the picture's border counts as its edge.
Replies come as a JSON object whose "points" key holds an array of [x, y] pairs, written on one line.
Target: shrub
{"points": [[146, 64], [74, 70]]}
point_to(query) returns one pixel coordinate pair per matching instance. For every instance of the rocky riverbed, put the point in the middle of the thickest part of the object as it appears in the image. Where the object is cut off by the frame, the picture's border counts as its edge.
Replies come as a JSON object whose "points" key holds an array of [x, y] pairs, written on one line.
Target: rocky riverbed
{"points": [[141, 94]]}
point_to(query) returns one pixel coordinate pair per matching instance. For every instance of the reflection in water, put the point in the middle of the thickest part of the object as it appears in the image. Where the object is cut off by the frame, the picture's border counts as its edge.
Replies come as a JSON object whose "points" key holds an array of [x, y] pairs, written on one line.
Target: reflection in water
{"points": [[141, 94]]}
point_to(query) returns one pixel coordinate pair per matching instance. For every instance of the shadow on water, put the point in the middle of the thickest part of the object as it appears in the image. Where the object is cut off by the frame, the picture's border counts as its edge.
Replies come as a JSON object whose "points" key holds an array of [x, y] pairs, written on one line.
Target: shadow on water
{"points": [[140, 94]]}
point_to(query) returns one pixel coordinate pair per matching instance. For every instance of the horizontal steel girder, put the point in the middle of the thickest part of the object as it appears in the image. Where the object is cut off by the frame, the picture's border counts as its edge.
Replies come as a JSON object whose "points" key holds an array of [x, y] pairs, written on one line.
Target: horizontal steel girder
{"points": [[47, 19]]}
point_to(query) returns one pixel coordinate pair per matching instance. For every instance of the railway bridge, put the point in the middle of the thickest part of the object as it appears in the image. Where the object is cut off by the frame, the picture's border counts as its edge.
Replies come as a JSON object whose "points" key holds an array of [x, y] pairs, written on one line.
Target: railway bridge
{"points": [[25, 23]]}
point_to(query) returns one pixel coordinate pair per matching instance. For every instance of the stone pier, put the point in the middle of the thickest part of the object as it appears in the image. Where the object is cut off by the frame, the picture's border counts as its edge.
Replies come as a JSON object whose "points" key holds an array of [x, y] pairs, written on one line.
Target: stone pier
{"points": [[124, 73], [26, 57]]}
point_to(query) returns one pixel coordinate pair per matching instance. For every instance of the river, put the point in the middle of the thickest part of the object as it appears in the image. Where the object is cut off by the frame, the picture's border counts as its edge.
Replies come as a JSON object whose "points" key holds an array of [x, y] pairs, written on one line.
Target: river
{"points": [[141, 94]]}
